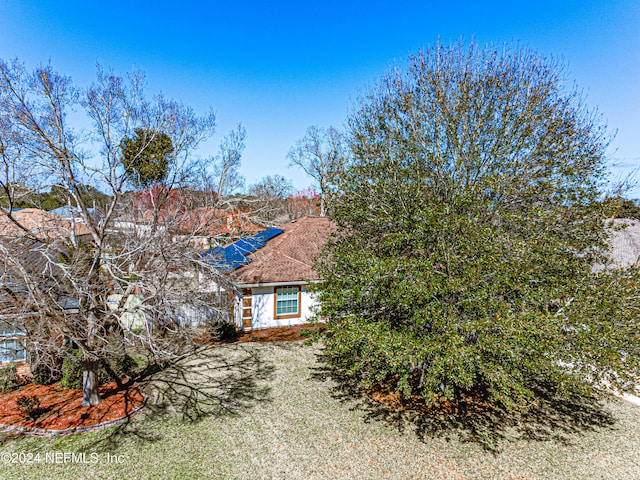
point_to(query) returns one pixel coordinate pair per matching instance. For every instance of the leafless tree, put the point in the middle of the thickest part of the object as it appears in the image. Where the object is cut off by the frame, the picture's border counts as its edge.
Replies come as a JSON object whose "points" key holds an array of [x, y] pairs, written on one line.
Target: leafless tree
{"points": [[132, 275], [269, 199], [226, 172], [321, 153]]}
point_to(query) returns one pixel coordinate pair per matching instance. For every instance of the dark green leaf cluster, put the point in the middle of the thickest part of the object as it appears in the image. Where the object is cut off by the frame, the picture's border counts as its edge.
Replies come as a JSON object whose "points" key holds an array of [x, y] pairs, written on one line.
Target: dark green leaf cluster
{"points": [[9, 378], [469, 221], [44, 375], [28, 405], [220, 331], [625, 208], [146, 157], [119, 365]]}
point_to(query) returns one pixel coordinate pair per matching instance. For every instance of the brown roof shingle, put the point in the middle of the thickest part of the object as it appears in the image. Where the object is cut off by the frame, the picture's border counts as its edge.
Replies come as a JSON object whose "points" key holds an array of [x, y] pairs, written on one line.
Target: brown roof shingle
{"points": [[288, 257], [43, 225]]}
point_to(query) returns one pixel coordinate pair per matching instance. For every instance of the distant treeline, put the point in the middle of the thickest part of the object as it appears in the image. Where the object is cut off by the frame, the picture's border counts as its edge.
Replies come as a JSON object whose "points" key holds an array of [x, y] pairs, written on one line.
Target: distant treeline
{"points": [[26, 197]]}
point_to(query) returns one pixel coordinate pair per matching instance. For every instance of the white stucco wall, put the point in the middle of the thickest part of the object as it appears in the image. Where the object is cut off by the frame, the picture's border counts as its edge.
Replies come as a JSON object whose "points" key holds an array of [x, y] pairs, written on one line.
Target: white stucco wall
{"points": [[263, 310], [132, 316]]}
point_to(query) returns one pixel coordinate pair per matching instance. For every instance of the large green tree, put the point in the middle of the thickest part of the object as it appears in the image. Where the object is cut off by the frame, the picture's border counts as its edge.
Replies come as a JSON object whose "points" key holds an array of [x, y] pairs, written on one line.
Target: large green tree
{"points": [[470, 221]]}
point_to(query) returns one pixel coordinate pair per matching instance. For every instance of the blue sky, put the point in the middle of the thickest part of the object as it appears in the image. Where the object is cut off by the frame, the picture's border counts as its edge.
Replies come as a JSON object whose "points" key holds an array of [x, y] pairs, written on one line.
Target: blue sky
{"points": [[279, 67]]}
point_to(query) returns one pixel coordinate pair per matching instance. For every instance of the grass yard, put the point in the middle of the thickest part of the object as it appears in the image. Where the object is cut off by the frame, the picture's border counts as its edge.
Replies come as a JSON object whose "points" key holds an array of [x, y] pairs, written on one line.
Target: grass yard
{"points": [[271, 411]]}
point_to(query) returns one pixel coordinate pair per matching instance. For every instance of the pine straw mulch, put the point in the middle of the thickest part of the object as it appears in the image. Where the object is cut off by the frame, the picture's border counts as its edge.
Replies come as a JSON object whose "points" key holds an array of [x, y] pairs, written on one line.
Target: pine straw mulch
{"points": [[61, 408], [470, 403]]}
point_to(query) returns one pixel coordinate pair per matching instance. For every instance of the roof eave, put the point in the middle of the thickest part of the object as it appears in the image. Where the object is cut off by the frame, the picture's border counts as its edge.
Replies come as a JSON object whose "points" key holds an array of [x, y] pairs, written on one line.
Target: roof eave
{"points": [[276, 284]]}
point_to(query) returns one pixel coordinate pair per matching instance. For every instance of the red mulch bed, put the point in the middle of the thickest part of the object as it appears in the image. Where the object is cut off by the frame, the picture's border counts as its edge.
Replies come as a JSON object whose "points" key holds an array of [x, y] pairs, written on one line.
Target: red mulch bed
{"points": [[278, 334], [61, 408]]}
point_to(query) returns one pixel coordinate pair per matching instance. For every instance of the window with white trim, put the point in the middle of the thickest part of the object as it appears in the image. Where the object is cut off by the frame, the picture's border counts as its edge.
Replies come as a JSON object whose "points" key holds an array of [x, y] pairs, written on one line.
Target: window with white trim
{"points": [[288, 301]]}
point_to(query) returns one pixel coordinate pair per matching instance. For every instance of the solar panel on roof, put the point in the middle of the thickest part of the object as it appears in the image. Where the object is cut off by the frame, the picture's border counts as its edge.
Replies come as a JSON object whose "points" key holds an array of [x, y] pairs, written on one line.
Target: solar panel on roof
{"points": [[256, 242], [234, 256], [268, 234], [246, 246], [214, 251]]}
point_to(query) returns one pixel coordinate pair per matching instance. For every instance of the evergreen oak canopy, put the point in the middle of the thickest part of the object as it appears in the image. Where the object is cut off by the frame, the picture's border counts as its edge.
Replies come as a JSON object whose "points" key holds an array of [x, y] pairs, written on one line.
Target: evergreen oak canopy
{"points": [[469, 223], [146, 157]]}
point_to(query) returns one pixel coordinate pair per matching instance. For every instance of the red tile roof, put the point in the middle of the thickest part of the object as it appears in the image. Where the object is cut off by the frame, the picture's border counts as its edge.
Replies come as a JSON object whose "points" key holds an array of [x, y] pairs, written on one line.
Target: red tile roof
{"points": [[207, 221], [288, 257], [211, 221]]}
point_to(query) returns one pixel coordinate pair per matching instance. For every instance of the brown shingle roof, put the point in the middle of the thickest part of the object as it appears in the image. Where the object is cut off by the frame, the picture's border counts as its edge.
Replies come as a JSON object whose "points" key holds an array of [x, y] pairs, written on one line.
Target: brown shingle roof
{"points": [[43, 225], [288, 257]]}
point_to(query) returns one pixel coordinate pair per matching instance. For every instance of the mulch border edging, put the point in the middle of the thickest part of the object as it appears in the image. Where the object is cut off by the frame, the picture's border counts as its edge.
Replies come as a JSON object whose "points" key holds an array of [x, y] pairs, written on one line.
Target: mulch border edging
{"points": [[45, 432]]}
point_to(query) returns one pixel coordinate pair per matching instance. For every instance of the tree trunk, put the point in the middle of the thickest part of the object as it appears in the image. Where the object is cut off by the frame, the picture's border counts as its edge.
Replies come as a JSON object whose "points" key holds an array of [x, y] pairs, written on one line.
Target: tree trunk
{"points": [[90, 384]]}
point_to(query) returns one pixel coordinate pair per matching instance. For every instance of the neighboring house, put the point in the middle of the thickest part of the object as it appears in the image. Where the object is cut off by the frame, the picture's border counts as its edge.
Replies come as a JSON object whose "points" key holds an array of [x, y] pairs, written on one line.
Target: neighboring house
{"points": [[12, 339], [74, 214], [16, 304], [28, 247], [272, 272], [208, 226], [203, 227], [42, 225]]}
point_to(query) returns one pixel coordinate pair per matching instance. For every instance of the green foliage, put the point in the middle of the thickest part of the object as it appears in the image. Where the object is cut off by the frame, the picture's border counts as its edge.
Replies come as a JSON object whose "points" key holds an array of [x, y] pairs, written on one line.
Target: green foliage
{"points": [[28, 405], [56, 197], [72, 371], [469, 220], [44, 375], [625, 208], [222, 331], [93, 197], [113, 368], [146, 157], [9, 378], [313, 334], [123, 366]]}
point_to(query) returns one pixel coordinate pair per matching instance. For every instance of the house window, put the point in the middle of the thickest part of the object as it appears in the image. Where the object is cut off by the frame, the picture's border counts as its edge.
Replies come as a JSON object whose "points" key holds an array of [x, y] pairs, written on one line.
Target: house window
{"points": [[287, 302], [11, 351], [11, 347]]}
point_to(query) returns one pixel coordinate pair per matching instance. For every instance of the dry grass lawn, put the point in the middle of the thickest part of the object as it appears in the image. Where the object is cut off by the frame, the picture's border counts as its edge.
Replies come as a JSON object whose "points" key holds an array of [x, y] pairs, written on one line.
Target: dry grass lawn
{"points": [[272, 411]]}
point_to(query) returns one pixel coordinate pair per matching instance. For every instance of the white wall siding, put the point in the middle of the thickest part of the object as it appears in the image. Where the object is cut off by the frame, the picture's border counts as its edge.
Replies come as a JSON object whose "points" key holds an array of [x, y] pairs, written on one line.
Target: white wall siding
{"points": [[263, 308]]}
